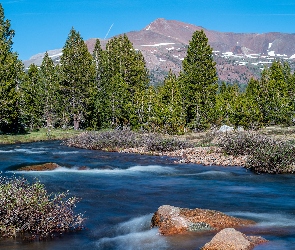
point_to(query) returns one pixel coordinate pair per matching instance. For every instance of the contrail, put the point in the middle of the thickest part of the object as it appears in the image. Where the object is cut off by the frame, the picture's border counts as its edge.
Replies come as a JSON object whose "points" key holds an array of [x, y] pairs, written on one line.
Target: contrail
{"points": [[109, 31]]}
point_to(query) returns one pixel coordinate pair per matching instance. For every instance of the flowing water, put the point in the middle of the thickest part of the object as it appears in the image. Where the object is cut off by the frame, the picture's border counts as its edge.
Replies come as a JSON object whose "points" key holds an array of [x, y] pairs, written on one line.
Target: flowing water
{"points": [[120, 192]]}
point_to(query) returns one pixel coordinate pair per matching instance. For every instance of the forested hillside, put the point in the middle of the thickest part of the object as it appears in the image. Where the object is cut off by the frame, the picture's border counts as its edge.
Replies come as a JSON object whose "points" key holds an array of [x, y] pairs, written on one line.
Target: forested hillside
{"points": [[110, 89]]}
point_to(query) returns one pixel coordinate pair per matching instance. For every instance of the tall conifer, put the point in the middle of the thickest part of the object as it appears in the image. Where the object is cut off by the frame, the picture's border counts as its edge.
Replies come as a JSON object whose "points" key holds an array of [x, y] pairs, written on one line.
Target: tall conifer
{"points": [[77, 79], [50, 91], [11, 70], [199, 82]]}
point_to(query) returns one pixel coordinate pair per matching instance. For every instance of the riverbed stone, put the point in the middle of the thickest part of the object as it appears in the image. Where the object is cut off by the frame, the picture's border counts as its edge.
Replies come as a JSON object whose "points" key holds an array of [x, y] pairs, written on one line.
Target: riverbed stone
{"points": [[174, 220], [40, 167], [231, 239]]}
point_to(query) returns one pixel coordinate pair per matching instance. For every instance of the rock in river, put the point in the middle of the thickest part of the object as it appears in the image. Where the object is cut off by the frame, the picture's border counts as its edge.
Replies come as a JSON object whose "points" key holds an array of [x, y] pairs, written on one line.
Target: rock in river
{"points": [[231, 239], [40, 167], [175, 220]]}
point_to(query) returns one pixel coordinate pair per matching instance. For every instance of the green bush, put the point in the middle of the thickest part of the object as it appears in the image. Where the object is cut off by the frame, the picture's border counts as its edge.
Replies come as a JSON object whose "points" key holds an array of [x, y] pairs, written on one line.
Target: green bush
{"points": [[265, 154], [274, 157], [111, 140], [122, 139], [241, 143], [27, 210], [154, 142]]}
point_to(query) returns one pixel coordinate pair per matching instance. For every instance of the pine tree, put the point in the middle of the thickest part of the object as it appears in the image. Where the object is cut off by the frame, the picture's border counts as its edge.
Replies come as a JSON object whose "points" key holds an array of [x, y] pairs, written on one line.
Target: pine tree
{"points": [[77, 79], [50, 91], [225, 103], [171, 112], [123, 59], [11, 71], [98, 98], [32, 99], [275, 100], [199, 82]]}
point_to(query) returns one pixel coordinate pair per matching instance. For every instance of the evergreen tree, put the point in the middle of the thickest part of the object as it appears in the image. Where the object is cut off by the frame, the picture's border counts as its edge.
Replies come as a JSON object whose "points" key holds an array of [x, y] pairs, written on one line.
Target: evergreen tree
{"points": [[118, 101], [11, 70], [124, 60], [77, 79], [98, 98], [199, 82], [225, 103], [50, 91], [171, 112], [32, 99], [275, 101]]}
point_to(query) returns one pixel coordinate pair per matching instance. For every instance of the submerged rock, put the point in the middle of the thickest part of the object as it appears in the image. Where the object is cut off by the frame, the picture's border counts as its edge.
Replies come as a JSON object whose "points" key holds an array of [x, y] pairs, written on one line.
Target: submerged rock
{"points": [[231, 239], [40, 167], [174, 220]]}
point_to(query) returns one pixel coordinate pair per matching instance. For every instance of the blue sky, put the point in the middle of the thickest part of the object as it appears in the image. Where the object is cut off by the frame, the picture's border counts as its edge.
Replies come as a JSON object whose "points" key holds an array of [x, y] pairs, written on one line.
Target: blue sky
{"points": [[44, 25]]}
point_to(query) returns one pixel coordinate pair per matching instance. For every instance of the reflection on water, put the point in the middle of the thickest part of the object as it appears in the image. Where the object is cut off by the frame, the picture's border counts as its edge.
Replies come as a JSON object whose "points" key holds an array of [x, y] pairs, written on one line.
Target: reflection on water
{"points": [[121, 191]]}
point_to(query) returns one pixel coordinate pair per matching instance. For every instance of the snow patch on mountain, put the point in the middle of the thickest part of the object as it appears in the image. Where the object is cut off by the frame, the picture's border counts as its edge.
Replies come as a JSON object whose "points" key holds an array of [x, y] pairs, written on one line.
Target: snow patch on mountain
{"points": [[156, 45]]}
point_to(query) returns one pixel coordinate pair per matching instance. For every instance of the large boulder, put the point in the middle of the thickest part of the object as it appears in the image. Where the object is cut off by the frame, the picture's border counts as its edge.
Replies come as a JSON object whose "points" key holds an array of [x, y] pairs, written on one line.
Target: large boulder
{"points": [[231, 239], [40, 167], [174, 220]]}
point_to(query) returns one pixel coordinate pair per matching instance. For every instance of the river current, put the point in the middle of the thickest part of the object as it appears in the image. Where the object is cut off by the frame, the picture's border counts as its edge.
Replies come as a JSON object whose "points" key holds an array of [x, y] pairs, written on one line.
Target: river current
{"points": [[120, 192]]}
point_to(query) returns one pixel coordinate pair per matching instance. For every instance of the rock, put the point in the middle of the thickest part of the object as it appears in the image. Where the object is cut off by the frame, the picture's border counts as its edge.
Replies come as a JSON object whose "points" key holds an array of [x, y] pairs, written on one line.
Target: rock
{"points": [[40, 167], [231, 239], [225, 128], [175, 220]]}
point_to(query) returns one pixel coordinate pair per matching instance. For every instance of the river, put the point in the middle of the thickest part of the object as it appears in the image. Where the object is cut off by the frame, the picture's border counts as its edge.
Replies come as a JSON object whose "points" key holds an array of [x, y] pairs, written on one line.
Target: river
{"points": [[120, 192]]}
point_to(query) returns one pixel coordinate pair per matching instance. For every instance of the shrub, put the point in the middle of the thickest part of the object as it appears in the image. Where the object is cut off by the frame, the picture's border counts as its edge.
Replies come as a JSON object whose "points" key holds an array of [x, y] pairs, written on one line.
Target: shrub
{"points": [[274, 157], [265, 154], [28, 210], [114, 139], [155, 142], [241, 143]]}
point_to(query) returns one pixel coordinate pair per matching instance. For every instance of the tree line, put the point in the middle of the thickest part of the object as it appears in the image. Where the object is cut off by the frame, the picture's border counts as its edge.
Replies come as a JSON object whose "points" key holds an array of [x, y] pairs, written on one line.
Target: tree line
{"points": [[110, 89]]}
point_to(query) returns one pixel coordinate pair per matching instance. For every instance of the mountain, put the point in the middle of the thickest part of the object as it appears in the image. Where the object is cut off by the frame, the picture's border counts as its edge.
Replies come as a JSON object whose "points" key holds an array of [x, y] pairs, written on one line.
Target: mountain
{"points": [[239, 56]]}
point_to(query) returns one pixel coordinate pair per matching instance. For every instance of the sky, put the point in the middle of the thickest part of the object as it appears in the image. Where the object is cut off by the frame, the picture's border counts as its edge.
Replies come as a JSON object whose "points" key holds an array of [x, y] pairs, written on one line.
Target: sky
{"points": [[44, 25]]}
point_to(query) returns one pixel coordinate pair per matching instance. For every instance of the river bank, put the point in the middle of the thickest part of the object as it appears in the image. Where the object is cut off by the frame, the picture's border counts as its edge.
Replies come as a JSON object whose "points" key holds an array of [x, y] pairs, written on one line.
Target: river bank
{"points": [[42, 134], [270, 151], [208, 156], [197, 148]]}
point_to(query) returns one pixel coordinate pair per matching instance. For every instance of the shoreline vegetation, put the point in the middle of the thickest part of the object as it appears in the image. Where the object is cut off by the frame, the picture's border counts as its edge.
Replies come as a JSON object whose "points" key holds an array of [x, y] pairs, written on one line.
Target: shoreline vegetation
{"points": [[268, 150], [42, 134], [30, 212]]}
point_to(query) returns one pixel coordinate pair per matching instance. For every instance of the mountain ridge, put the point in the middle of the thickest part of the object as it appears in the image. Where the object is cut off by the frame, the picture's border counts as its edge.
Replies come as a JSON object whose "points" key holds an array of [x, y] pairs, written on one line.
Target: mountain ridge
{"points": [[163, 43]]}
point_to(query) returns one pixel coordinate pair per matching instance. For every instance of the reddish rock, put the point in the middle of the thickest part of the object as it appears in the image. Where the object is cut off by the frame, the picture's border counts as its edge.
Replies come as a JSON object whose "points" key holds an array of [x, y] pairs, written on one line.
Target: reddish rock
{"points": [[41, 167], [231, 239], [175, 220]]}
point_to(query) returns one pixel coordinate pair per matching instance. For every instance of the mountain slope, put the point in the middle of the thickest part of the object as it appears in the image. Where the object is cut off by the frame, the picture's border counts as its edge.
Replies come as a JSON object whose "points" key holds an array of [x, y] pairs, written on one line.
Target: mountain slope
{"points": [[239, 56]]}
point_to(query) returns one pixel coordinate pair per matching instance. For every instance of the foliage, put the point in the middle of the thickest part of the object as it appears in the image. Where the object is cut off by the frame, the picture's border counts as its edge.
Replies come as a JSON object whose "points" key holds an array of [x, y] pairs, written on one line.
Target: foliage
{"points": [[31, 99], [50, 92], [125, 138], [28, 210], [274, 157], [124, 69], [273, 95], [170, 109], [240, 143], [265, 154], [199, 82], [11, 71], [110, 140], [40, 135], [157, 143], [77, 80]]}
